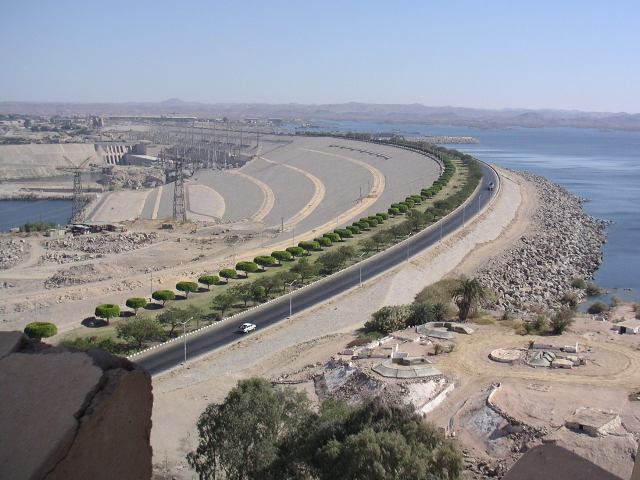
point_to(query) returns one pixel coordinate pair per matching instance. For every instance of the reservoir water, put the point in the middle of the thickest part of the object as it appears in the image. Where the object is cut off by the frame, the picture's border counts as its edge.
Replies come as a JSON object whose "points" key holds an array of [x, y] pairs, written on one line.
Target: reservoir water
{"points": [[14, 213], [602, 166]]}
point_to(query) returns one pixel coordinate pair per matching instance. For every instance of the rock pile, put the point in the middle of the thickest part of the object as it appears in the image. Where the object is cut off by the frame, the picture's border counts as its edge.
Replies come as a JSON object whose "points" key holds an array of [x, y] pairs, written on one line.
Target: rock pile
{"points": [[566, 243], [76, 275], [12, 251], [64, 257], [104, 243]]}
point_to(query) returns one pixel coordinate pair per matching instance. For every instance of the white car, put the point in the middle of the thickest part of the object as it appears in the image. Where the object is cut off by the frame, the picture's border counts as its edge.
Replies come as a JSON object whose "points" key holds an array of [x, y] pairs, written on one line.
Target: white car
{"points": [[247, 327]]}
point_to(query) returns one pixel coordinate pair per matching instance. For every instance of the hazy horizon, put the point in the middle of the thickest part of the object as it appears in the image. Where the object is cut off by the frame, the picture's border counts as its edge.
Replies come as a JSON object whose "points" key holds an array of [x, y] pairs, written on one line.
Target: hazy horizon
{"points": [[544, 56]]}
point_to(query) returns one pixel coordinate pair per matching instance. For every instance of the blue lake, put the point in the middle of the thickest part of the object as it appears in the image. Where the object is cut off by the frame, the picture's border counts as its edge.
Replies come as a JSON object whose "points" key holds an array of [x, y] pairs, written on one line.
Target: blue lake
{"points": [[14, 213], [603, 166]]}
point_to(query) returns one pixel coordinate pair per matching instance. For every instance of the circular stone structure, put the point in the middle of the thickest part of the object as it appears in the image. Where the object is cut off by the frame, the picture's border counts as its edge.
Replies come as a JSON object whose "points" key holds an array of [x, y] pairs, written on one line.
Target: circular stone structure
{"points": [[505, 355], [390, 369]]}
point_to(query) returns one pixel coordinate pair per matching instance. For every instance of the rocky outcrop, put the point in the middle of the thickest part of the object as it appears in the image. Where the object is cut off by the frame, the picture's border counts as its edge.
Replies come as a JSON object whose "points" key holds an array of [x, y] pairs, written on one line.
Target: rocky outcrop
{"points": [[13, 251], [69, 414], [566, 243]]}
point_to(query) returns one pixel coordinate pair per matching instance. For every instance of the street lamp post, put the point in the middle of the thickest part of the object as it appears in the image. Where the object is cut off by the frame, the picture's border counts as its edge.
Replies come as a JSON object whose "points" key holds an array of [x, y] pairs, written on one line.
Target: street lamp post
{"points": [[184, 336], [290, 287]]}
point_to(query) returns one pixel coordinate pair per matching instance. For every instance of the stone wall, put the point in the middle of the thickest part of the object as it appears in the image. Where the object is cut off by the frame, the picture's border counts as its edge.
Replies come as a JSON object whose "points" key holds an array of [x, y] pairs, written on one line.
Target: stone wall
{"points": [[69, 414]]}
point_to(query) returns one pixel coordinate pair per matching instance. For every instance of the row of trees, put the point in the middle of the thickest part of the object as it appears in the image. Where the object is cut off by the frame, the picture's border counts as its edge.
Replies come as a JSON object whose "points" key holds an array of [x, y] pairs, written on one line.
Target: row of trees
{"points": [[267, 433]]}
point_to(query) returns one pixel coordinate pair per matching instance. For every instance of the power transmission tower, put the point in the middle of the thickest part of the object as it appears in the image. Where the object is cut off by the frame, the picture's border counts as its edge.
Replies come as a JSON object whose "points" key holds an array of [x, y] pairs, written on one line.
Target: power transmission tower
{"points": [[179, 211], [78, 202]]}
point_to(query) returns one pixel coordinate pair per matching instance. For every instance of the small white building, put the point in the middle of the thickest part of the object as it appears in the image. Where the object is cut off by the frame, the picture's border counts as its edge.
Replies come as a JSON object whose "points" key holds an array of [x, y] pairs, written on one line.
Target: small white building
{"points": [[629, 326]]}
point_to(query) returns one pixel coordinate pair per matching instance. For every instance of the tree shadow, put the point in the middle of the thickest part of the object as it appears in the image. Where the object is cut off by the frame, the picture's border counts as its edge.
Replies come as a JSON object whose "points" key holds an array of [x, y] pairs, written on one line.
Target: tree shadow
{"points": [[202, 290], [181, 297], [93, 322], [153, 306], [126, 314]]}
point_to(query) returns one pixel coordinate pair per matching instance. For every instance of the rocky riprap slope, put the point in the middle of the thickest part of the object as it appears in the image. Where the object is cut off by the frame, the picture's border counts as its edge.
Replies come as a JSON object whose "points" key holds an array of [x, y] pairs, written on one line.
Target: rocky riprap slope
{"points": [[566, 243], [104, 244], [12, 252]]}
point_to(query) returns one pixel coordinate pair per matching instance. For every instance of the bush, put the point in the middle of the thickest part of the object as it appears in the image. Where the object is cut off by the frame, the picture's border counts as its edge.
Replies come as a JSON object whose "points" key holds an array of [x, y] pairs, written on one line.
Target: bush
{"points": [[382, 215], [394, 211], [228, 273], [570, 299], [562, 319], [308, 246], [324, 241], [136, 303], [282, 256], [343, 232], [334, 237], [37, 226], [265, 261], [387, 319], [579, 283], [208, 280], [296, 251], [362, 225], [107, 311], [353, 229], [593, 290], [163, 296], [402, 207], [597, 307], [372, 221], [40, 330], [247, 267], [187, 287]]}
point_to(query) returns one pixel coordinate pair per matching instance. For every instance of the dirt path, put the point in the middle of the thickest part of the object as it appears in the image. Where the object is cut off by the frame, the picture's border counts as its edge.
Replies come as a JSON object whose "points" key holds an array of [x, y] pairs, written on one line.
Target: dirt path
{"points": [[156, 205], [319, 192]]}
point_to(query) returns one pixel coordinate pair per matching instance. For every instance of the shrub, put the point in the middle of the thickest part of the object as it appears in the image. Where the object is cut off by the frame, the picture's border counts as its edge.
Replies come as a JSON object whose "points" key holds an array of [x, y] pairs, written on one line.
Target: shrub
{"points": [[136, 303], [362, 225], [247, 267], [187, 287], [307, 245], [40, 330], [403, 207], [373, 221], [265, 261], [578, 282], [334, 237], [597, 307], [324, 241], [394, 211], [208, 280], [163, 296], [107, 311], [282, 256], [383, 215], [408, 202], [37, 226], [570, 299], [228, 273], [296, 251], [343, 232], [387, 319], [353, 229], [593, 290], [562, 319]]}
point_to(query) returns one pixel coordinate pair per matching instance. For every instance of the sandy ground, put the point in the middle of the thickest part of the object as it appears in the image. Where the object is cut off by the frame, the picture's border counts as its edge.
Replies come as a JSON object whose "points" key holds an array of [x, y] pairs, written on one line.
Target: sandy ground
{"points": [[181, 395], [119, 206]]}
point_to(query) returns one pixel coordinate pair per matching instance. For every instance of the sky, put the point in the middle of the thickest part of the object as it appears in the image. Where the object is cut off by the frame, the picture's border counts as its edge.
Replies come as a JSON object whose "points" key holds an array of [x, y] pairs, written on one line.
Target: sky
{"points": [[570, 54]]}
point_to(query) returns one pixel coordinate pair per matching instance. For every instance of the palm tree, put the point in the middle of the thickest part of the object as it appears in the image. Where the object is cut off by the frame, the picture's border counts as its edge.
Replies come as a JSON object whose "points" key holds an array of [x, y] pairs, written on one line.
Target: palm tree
{"points": [[467, 295]]}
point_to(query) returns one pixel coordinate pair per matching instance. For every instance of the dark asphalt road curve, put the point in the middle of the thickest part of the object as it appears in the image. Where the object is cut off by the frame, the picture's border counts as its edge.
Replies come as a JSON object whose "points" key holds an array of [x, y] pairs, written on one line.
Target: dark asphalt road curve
{"points": [[170, 355]]}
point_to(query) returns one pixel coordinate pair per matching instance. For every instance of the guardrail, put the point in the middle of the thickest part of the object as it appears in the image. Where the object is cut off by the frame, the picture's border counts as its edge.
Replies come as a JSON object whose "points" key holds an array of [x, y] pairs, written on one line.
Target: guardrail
{"points": [[283, 298]]}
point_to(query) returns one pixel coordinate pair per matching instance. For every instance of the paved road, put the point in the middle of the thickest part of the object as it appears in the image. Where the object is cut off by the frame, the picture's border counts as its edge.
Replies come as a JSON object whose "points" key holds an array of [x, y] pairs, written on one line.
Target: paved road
{"points": [[224, 333]]}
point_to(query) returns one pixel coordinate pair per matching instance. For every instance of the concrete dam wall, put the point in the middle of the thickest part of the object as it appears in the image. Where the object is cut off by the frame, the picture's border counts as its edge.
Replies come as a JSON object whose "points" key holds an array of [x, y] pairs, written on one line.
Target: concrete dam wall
{"points": [[42, 160]]}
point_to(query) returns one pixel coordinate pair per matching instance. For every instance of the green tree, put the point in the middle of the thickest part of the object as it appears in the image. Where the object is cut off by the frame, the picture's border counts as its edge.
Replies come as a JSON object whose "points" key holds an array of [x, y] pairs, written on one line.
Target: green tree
{"points": [[163, 296], [258, 293], [282, 256], [296, 251], [228, 273], [239, 438], [139, 330], [107, 311], [285, 278], [208, 280], [186, 287], [242, 291], [383, 237], [304, 269], [269, 283], [224, 301], [39, 330], [173, 317], [468, 295], [136, 303], [247, 267], [597, 308], [265, 261]]}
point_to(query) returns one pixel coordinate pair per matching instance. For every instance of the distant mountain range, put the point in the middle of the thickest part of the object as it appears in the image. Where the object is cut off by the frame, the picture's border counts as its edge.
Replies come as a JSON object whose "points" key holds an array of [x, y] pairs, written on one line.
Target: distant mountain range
{"points": [[391, 113]]}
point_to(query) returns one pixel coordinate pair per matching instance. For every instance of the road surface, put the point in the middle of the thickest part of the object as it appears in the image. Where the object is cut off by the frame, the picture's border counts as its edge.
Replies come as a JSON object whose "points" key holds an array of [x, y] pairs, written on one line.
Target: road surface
{"points": [[172, 354]]}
